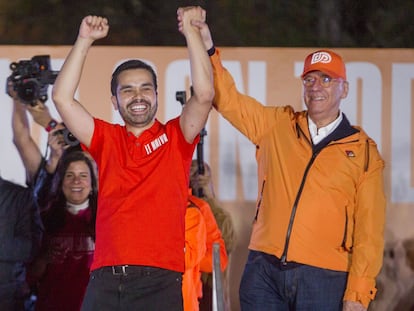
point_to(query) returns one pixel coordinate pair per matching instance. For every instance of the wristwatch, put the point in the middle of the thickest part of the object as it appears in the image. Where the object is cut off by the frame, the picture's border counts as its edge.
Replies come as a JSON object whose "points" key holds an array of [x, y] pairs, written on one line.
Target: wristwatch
{"points": [[51, 125]]}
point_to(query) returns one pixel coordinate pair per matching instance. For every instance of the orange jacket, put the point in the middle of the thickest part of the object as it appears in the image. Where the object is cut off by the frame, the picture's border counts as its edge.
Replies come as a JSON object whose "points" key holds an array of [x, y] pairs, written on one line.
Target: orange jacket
{"points": [[213, 236], [324, 208], [195, 249]]}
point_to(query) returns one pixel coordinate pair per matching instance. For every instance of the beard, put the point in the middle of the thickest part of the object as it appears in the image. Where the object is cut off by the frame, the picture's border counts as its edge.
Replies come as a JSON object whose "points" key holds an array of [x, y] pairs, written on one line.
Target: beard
{"points": [[140, 120]]}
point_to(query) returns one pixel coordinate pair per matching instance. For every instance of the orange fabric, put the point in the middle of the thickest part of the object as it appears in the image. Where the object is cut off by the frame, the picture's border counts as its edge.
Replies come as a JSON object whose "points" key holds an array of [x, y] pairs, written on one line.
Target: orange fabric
{"points": [[195, 248], [340, 229], [360, 290], [201, 231], [213, 236], [326, 61]]}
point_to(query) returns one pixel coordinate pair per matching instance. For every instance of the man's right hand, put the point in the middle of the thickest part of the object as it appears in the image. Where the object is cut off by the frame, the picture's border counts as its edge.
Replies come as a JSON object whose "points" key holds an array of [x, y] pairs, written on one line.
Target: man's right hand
{"points": [[93, 27]]}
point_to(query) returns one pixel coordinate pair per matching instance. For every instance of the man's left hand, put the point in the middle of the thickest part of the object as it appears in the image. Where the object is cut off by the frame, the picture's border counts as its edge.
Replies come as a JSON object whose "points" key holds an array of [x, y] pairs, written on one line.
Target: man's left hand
{"points": [[353, 306]]}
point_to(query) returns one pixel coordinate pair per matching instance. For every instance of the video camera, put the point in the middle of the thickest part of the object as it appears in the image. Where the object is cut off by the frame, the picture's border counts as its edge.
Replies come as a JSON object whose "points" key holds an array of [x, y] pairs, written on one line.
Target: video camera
{"points": [[31, 78]]}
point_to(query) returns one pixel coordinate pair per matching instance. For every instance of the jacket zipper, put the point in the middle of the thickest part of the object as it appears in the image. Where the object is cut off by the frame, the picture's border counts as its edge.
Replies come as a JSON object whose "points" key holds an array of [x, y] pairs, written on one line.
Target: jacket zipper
{"points": [[299, 131], [260, 200], [295, 206]]}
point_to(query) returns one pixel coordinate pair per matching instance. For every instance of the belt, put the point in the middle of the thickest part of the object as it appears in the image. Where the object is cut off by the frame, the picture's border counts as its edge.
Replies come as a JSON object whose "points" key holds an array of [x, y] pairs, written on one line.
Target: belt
{"points": [[123, 270], [287, 265], [120, 270]]}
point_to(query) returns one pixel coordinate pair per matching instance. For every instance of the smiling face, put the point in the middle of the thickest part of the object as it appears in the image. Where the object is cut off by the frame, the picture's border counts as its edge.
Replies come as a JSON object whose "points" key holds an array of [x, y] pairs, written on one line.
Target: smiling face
{"points": [[136, 98], [323, 97], [77, 183]]}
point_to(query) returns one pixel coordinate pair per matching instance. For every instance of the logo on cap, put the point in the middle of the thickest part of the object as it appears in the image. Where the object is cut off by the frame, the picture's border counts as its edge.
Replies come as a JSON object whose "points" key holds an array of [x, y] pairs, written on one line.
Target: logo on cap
{"points": [[321, 57]]}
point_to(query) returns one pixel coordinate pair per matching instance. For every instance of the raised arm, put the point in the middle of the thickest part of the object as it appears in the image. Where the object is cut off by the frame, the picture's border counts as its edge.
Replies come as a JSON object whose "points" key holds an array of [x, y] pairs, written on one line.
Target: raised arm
{"points": [[28, 150], [41, 115], [197, 108], [74, 115]]}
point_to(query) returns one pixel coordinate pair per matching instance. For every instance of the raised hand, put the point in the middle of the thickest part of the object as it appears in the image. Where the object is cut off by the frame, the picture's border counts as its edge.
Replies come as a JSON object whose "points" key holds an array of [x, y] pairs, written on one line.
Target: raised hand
{"points": [[195, 17], [93, 27], [186, 15]]}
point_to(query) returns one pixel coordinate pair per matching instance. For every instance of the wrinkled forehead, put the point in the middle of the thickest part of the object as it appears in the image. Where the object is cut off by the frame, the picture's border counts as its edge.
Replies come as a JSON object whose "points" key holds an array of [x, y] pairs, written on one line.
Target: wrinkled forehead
{"points": [[317, 73]]}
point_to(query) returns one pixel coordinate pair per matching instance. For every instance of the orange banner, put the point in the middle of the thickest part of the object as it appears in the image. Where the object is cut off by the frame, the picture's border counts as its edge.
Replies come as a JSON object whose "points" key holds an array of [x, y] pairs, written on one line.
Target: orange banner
{"points": [[380, 100]]}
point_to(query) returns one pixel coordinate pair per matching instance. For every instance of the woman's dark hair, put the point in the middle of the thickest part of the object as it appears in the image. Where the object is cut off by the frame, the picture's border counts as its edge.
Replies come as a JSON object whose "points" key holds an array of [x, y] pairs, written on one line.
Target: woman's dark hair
{"points": [[131, 64], [54, 216]]}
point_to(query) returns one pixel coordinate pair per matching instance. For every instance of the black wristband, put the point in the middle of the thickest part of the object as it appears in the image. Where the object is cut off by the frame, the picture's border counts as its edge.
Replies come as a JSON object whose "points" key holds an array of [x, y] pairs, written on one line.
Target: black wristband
{"points": [[211, 51]]}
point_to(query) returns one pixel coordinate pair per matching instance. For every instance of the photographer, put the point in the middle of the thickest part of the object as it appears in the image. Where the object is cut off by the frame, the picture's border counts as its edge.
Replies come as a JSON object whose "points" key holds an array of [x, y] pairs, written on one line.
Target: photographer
{"points": [[29, 151], [27, 86], [67, 203], [39, 167]]}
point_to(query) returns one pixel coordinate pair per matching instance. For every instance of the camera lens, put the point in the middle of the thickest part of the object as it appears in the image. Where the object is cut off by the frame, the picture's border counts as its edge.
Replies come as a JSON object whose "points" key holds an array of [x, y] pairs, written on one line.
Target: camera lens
{"points": [[69, 138], [28, 91]]}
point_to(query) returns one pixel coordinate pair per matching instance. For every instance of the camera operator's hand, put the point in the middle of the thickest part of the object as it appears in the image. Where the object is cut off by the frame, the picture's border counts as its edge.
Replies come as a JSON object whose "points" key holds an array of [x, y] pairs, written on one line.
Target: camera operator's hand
{"points": [[40, 113], [55, 138], [93, 27], [10, 90], [57, 146]]}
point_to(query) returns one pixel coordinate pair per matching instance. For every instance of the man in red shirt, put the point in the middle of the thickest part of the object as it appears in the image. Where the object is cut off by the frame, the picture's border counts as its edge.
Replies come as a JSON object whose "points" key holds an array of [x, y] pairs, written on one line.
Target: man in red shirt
{"points": [[143, 173]]}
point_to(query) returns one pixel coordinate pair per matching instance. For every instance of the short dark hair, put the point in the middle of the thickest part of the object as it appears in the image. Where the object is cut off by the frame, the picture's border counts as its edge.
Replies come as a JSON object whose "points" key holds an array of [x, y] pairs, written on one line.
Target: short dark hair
{"points": [[131, 64]]}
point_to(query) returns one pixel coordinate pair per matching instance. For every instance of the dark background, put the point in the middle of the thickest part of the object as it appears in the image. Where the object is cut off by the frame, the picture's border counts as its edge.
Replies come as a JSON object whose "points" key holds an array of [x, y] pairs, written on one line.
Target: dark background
{"points": [[264, 23]]}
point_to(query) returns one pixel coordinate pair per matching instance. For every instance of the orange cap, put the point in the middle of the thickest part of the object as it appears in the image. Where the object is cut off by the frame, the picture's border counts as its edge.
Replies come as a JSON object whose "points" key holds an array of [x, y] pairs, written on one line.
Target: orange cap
{"points": [[327, 62]]}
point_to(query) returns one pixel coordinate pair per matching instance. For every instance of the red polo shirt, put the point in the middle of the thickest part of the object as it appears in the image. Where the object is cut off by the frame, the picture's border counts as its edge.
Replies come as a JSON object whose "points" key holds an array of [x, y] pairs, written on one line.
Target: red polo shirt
{"points": [[143, 190]]}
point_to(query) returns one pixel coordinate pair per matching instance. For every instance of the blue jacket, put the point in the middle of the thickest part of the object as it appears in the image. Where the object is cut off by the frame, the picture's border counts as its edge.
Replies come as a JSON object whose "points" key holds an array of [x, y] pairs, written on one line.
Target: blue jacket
{"points": [[20, 230]]}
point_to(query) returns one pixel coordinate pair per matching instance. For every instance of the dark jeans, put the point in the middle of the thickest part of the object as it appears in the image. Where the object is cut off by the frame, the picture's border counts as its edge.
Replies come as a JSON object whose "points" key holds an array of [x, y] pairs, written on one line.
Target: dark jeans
{"points": [[132, 289], [267, 285]]}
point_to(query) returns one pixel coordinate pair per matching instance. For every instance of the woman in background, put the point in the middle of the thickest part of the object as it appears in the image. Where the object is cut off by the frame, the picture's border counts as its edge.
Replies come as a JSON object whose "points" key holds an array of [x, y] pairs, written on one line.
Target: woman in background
{"points": [[61, 271]]}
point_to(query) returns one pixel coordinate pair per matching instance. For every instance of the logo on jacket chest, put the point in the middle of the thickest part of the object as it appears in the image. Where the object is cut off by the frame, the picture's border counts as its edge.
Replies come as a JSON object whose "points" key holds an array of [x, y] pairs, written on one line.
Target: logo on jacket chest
{"points": [[350, 153], [156, 143]]}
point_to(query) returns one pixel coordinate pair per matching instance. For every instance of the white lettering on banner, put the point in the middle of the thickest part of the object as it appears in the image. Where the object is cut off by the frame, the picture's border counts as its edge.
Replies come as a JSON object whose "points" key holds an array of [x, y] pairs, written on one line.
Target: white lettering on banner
{"points": [[176, 76], [234, 148], [371, 98], [236, 153], [401, 129]]}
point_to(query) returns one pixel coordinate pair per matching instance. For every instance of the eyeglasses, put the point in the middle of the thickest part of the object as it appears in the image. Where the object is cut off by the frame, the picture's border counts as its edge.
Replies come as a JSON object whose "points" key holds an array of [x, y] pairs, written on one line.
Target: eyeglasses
{"points": [[324, 80]]}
